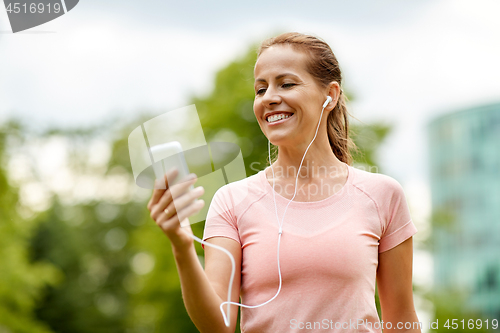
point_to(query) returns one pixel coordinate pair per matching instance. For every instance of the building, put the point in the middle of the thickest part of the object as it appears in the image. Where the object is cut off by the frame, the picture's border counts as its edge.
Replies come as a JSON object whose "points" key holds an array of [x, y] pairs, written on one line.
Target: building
{"points": [[465, 183]]}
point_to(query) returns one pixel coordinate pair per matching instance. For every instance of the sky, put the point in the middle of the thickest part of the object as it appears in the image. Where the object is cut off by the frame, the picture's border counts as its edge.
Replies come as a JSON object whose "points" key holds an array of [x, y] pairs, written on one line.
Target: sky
{"points": [[404, 62]]}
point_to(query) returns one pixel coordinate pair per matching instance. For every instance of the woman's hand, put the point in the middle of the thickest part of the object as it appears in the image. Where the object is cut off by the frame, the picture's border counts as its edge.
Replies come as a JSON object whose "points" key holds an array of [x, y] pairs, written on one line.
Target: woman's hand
{"points": [[169, 216]]}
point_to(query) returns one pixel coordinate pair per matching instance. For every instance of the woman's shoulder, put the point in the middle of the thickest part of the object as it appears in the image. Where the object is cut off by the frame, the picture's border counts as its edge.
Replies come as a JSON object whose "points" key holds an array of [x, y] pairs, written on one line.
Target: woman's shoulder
{"points": [[243, 189], [375, 183], [252, 181]]}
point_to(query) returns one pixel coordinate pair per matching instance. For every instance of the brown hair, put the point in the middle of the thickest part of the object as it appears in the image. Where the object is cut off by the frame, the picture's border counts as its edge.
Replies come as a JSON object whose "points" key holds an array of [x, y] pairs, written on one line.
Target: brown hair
{"points": [[324, 67]]}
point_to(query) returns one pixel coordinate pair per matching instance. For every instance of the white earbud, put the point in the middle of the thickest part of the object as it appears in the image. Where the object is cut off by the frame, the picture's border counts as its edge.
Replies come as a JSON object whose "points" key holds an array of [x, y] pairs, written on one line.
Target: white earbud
{"points": [[328, 100]]}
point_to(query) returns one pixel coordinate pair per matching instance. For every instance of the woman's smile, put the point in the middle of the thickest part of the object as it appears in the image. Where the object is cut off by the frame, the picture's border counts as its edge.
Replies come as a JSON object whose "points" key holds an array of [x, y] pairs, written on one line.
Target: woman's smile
{"points": [[278, 118]]}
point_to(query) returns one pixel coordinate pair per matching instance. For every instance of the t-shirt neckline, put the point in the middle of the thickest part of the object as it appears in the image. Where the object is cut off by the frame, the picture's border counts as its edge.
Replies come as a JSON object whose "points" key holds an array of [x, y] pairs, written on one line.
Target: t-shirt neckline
{"points": [[327, 201]]}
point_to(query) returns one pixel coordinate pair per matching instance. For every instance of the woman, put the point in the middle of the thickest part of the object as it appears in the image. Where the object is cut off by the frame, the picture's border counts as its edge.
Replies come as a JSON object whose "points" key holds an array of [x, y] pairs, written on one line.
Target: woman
{"points": [[344, 229]]}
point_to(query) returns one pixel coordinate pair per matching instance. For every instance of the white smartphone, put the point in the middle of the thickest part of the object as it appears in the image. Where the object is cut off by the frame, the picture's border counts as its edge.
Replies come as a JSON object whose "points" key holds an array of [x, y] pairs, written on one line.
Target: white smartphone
{"points": [[168, 155]]}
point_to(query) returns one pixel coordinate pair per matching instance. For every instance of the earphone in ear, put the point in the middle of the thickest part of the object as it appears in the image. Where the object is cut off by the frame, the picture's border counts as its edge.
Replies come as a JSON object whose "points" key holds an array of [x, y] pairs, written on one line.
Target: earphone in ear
{"points": [[328, 100]]}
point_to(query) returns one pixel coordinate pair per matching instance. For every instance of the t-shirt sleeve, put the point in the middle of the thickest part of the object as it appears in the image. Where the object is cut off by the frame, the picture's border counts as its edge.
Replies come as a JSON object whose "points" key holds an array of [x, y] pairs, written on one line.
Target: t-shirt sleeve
{"points": [[221, 220], [397, 225]]}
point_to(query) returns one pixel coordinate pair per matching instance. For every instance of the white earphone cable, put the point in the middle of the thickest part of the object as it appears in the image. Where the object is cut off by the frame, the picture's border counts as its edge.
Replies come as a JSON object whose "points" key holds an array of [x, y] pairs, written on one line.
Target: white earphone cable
{"points": [[280, 231]]}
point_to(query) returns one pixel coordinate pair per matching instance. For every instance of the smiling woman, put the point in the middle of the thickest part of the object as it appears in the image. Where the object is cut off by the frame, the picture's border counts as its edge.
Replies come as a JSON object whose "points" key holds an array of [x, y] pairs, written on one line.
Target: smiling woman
{"points": [[345, 230]]}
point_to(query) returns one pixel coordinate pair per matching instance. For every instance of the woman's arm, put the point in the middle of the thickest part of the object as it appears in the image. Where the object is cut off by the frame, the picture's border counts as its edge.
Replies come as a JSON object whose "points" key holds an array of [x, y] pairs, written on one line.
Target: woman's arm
{"points": [[204, 291], [394, 281]]}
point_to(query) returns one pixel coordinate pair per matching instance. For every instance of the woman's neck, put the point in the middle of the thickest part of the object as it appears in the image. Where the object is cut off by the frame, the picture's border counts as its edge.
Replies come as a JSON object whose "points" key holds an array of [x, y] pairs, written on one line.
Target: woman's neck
{"points": [[317, 164]]}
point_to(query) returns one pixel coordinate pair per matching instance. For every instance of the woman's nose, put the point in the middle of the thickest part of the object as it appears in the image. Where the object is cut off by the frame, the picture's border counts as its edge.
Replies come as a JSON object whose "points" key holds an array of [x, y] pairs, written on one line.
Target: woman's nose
{"points": [[271, 97]]}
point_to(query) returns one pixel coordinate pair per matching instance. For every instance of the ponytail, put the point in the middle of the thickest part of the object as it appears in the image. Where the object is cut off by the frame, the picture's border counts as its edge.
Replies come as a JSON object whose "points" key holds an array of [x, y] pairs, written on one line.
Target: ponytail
{"points": [[338, 131]]}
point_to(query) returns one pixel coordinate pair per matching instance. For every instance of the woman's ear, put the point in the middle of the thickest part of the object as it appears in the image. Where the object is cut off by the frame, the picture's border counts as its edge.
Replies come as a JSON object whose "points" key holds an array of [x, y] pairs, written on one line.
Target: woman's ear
{"points": [[334, 93]]}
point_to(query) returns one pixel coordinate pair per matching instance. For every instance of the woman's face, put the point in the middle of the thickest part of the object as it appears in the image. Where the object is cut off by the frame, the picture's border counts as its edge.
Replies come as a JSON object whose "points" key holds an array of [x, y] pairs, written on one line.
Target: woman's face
{"points": [[284, 88]]}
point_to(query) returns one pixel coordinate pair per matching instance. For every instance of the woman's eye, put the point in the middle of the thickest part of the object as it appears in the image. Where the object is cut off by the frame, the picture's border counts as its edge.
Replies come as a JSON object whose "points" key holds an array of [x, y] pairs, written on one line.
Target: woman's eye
{"points": [[260, 91], [287, 85]]}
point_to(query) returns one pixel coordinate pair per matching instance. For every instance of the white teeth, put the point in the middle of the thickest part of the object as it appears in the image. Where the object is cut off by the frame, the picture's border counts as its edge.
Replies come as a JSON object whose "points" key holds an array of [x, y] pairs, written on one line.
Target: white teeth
{"points": [[277, 117]]}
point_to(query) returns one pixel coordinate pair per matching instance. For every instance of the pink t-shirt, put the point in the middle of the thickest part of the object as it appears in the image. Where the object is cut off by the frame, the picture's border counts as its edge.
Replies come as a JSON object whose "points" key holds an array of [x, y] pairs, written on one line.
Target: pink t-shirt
{"points": [[328, 253]]}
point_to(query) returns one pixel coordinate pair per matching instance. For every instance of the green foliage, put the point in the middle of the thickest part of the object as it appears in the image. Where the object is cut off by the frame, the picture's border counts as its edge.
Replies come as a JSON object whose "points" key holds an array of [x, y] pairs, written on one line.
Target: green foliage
{"points": [[102, 246], [91, 297], [21, 281], [158, 302], [449, 305], [444, 218], [227, 113], [154, 301], [368, 139]]}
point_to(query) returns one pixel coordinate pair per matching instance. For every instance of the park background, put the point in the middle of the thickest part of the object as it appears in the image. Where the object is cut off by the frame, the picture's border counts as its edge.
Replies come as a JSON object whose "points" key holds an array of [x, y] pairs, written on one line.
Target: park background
{"points": [[78, 251]]}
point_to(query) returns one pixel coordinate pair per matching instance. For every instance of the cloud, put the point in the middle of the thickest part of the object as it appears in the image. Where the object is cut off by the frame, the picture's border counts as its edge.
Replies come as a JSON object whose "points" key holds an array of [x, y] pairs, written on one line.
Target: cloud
{"points": [[90, 69]]}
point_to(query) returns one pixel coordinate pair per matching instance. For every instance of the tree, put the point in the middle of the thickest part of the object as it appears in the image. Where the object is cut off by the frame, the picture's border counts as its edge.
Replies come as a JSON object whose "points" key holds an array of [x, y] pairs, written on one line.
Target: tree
{"points": [[22, 281]]}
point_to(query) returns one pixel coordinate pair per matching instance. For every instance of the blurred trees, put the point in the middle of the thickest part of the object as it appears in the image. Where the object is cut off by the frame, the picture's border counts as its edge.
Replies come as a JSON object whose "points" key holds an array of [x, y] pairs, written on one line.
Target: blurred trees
{"points": [[93, 260], [449, 305], [21, 281], [120, 273]]}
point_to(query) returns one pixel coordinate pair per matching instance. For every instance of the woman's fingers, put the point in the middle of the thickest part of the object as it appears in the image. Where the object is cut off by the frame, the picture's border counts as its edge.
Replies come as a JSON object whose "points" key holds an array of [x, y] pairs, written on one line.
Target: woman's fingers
{"points": [[182, 201], [190, 210], [160, 188], [181, 208], [172, 193], [183, 185], [182, 215]]}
